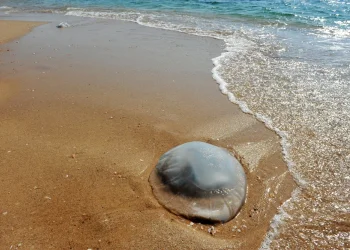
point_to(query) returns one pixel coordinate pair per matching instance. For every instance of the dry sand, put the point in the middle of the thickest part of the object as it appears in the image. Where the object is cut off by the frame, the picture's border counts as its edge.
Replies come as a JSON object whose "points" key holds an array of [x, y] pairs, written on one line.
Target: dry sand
{"points": [[85, 114]]}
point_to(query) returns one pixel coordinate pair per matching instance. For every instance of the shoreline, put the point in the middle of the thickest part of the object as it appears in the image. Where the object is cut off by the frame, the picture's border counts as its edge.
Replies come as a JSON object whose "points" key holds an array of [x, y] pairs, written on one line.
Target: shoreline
{"points": [[17, 30], [98, 124]]}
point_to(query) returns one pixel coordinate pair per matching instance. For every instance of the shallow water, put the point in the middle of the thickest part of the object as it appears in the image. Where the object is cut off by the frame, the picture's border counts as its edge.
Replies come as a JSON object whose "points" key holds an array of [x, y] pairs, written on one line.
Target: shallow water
{"points": [[287, 63]]}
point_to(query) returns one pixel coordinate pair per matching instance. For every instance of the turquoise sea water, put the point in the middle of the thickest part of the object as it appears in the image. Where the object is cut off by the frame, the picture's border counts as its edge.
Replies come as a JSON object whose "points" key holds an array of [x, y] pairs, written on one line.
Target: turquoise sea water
{"points": [[287, 63], [334, 13], [329, 20]]}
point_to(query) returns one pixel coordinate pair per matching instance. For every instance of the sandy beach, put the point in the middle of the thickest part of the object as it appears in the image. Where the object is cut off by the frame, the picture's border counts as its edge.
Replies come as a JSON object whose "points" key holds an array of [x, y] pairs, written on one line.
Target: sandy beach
{"points": [[87, 111]]}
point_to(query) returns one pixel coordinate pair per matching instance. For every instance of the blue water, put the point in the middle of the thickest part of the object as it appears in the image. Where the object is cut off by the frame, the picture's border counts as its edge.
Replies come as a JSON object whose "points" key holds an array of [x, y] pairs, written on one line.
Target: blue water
{"points": [[288, 64], [334, 13]]}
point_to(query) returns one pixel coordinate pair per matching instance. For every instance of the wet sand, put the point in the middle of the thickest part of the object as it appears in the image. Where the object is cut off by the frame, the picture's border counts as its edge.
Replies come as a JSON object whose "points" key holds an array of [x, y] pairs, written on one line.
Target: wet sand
{"points": [[86, 114], [11, 30]]}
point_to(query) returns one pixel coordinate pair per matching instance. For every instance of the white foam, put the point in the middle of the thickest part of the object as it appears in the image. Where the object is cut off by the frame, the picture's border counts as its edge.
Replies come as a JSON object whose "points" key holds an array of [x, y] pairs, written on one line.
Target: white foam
{"points": [[73, 8], [5, 8], [146, 19], [277, 221], [244, 107], [343, 23], [124, 16], [334, 32], [281, 214], [233, 46]]}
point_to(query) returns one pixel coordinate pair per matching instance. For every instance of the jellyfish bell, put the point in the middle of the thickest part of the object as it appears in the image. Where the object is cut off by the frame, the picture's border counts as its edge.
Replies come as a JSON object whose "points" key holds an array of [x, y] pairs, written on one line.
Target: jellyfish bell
{"points": [[200, 181]]}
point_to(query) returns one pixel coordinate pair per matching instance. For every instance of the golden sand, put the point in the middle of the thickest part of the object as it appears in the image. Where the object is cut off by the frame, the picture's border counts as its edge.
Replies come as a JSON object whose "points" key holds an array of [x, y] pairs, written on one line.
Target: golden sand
{"points": [[76, 156], [11, 30]]}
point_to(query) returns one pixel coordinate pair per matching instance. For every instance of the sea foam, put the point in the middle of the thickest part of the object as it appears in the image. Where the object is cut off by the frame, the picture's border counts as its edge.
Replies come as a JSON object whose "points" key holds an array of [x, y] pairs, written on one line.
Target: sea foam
{"points": [[233, 45], [279, 72]]}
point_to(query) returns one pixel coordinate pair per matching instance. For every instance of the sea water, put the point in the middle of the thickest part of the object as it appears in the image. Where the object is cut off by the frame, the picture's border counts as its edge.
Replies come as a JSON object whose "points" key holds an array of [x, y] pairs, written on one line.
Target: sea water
{"points": [[286, 62]]}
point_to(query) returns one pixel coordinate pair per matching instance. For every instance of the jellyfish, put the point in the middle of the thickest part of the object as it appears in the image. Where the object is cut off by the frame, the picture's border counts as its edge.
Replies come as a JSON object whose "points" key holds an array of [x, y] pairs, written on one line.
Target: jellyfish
{"points": [[200, 181]]}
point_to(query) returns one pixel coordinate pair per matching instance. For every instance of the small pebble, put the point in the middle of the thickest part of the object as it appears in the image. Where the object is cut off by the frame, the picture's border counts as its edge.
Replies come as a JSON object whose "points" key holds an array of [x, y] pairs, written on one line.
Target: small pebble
{"points": [[212, 230]]}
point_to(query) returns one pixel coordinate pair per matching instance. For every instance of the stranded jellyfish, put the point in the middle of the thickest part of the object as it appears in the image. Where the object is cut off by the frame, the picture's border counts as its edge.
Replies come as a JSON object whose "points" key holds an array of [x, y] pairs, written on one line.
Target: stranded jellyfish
{"points": [[200, 181]]}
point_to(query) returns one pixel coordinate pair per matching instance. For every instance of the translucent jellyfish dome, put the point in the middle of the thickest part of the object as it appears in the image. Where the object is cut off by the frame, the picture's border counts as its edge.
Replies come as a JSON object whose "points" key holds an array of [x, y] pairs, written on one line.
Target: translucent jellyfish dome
{"points": [[200, 181]]}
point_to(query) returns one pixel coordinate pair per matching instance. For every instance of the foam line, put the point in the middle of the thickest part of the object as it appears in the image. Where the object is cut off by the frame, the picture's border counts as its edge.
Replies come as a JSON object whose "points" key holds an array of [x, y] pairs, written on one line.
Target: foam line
{"points": [[229, 51]]}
